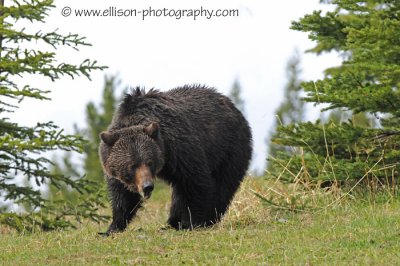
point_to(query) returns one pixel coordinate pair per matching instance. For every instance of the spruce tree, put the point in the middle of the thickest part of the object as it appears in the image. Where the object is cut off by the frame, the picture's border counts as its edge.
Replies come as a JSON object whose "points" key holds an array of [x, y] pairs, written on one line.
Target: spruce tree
{"points": [[366, 34], [23, 148], [292, 108], [98, 117], [236, 96]]}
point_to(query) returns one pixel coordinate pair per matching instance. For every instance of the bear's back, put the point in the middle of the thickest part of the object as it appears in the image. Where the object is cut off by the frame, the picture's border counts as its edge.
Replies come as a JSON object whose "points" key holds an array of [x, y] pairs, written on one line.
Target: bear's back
{"points": [[212, 118], [192, 114], [200, 102]]}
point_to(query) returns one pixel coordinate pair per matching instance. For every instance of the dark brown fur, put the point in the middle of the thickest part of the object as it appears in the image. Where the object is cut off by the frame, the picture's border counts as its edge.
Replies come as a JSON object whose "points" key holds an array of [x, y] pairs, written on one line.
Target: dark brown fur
{"points": [[192, 137]]}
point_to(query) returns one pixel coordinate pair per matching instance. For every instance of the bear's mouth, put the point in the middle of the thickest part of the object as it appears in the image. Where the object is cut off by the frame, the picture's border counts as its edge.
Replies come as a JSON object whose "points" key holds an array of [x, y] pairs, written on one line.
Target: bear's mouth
{"points": [[146, 195], [146, 189]]}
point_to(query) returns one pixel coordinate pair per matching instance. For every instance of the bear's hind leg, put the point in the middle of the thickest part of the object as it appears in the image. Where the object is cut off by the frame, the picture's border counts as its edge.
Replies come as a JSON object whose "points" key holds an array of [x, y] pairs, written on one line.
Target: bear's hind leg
{"points": [[176, 210], [193, 210], [229, 177]]}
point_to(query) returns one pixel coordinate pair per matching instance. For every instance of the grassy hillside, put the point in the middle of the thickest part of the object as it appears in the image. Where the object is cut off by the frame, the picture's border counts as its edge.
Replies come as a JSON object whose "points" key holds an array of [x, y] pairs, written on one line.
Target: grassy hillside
{"points": [[352, 232]]}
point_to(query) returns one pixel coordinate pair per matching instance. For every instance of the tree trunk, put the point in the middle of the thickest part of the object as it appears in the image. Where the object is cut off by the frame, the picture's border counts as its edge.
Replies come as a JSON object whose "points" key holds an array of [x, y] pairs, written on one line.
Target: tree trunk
{"points": [[1, 24]]}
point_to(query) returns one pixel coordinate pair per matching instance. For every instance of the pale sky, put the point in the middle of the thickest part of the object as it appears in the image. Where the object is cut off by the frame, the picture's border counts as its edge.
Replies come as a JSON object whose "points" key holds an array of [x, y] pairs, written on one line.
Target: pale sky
{"points": [[163, 52]]}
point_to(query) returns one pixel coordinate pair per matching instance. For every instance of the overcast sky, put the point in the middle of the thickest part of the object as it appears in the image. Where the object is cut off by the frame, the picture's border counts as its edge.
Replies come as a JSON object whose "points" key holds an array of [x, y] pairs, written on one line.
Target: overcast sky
{"points": [[165, 52]]}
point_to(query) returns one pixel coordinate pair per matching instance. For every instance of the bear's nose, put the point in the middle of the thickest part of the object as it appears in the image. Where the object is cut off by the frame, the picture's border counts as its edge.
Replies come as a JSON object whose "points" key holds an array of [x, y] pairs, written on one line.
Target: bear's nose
{"points": [[147, 189]]}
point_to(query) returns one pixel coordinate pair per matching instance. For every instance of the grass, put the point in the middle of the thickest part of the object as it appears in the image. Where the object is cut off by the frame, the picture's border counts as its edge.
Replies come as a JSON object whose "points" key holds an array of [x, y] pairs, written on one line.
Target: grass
{"points": [[350, 233]]}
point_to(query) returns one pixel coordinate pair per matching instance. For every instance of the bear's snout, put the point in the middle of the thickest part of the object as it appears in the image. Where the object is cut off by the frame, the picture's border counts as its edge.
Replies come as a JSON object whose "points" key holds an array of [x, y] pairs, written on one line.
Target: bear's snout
{"points": [[144, 181]]}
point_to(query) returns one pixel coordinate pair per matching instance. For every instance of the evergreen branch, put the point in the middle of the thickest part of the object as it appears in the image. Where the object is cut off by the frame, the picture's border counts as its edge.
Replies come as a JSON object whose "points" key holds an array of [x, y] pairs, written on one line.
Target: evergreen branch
{"points": [[33, 10], [41, 64], [26, 91], [22, 148], [386, 135], [54, 39]]}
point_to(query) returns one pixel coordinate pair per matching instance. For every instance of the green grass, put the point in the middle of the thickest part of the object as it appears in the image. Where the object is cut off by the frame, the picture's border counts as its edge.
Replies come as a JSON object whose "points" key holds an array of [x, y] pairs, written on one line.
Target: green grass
{"points": [[354, 232]]}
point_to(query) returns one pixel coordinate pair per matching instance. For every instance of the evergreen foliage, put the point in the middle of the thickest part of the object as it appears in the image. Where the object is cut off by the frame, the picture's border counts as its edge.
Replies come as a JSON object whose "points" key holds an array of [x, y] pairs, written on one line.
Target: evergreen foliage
{"points": [[23, 148], [367, 35], [97, 119], [292, 109], [236, 96]]}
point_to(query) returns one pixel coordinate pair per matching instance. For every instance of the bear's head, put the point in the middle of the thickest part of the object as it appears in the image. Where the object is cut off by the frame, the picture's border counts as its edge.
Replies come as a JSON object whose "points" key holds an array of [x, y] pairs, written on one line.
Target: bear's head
{"points": [[133, 155]]}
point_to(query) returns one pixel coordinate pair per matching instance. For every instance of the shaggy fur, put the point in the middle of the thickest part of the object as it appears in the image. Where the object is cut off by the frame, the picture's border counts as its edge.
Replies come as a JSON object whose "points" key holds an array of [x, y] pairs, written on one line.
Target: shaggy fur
{"points": [[192, 137]]}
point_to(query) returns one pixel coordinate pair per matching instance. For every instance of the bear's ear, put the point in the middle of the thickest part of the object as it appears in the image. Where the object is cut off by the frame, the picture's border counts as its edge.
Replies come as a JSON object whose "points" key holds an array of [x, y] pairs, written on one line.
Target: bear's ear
{"points": [[109, 138], [152, 130]]}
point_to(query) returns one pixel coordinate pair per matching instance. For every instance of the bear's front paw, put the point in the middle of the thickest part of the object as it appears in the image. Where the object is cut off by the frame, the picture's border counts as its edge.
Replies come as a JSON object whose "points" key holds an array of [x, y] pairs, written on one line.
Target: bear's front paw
{"points": [[110, 232], [104, 234], [113, 228]]}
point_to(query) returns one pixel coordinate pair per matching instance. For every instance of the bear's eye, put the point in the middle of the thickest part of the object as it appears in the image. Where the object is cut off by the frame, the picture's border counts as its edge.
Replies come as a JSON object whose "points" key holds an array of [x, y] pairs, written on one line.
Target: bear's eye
{"points": [[149, 164]]}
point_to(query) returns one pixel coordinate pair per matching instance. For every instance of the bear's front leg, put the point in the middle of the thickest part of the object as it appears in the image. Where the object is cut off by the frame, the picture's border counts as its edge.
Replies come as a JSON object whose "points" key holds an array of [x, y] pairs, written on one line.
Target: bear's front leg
{"points": [[124, 203]]}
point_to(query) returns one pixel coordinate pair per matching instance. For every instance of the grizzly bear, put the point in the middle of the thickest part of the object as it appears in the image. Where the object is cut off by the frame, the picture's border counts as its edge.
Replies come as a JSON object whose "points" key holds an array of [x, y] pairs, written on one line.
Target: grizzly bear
{"points": [[192, 137]]}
